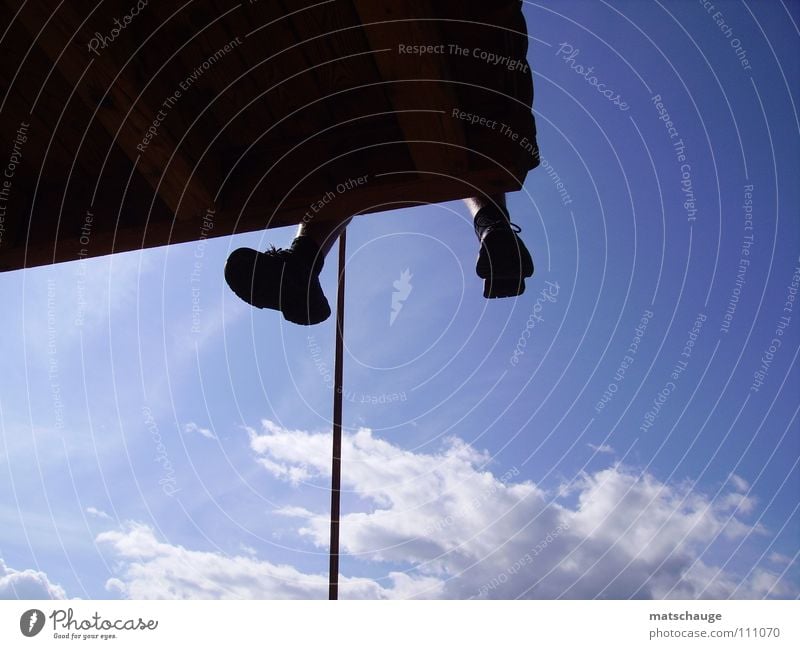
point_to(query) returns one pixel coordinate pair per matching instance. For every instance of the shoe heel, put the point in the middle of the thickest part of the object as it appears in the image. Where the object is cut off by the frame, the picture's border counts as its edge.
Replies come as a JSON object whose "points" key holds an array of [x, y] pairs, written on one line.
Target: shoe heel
{"points": [[503, 287]]}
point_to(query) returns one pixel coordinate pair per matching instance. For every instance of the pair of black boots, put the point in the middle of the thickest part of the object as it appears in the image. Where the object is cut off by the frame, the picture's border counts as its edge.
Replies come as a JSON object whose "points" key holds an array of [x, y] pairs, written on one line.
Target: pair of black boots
{"points": [[287, 280]]}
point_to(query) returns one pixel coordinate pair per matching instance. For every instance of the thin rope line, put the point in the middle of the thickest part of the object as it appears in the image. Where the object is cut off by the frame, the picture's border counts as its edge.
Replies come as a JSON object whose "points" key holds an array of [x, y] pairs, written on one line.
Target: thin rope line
{"points": [[336, 463]]}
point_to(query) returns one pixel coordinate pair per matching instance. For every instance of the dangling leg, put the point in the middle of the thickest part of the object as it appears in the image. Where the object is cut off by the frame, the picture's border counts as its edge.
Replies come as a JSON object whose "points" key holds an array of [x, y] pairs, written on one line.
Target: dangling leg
{"points": [[287, 280], [477, 202], [323, 233], [503, 261]]}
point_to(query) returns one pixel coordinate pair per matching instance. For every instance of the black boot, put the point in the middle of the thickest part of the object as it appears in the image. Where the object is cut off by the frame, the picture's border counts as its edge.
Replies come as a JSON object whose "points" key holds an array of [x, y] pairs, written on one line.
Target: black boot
{"points": [[503, 262], [280, 279]]}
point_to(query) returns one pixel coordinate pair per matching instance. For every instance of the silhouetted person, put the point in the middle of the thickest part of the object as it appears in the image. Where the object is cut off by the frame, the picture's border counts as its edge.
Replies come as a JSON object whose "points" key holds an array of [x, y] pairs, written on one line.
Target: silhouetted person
{"points": [[287, 280]]}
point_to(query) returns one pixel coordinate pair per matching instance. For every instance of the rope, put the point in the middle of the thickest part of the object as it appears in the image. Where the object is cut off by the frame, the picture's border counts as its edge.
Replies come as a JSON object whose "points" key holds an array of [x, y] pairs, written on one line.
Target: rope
{"points": [[336, 463]]}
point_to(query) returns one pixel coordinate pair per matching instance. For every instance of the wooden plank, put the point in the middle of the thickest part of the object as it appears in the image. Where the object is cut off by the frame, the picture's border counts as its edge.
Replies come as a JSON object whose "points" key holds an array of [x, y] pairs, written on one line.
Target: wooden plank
{"points": [[338, 57], [386, 29], [104, 75]]}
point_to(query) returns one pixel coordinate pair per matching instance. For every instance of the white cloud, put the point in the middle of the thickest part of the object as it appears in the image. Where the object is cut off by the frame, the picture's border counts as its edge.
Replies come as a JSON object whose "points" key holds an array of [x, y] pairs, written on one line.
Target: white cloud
{"points": [[603, 448], [158, 570], [745, 504], [763, 582], [462, 531], [447, 517], [27, 584], [781, 559], [739, 483], [248, 550], [192, 427], [97, 513]]}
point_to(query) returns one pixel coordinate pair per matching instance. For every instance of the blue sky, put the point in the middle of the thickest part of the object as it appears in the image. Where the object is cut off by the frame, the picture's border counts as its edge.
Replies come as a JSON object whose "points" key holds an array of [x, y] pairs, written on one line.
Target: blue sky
{"points": [[149, 451]]}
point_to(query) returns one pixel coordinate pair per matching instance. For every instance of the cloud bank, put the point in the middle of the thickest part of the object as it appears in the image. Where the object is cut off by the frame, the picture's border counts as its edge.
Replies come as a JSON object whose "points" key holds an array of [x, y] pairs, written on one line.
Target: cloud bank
{"points": [[27, 584], [459, 531]]}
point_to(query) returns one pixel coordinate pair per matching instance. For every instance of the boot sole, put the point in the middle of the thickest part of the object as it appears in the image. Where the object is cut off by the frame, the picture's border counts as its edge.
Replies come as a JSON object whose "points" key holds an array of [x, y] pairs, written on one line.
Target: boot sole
{"points": [[503, 287]]}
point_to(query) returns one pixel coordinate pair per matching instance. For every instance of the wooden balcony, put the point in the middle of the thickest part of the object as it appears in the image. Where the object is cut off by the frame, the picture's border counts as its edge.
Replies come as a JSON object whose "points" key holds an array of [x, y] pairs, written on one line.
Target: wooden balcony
{"points": [[144, 124]]}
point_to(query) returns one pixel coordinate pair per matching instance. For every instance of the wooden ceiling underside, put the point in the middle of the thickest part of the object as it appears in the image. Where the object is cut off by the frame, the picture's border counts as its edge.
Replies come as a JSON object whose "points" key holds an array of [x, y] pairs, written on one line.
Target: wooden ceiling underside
{"points": [[242, 116]]}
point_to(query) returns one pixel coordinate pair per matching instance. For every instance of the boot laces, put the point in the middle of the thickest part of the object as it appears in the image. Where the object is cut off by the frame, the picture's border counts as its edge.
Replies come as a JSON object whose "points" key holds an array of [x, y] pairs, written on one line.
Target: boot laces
{"points": [[489, 221], [280, 253], [295, 259]]}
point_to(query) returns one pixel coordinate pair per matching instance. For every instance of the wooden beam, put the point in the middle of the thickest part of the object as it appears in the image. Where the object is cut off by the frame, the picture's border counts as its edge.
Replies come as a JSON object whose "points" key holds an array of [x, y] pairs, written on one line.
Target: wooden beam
{"points": [[386, 192]]}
